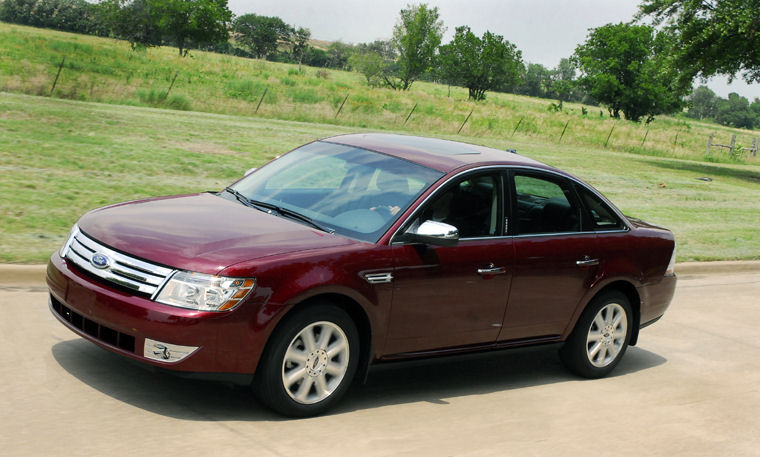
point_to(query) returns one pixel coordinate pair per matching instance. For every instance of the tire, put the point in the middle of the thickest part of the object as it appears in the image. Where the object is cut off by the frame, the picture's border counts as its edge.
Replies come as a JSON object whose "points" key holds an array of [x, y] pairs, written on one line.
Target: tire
{"points": [[309, 363], [600, 337]]}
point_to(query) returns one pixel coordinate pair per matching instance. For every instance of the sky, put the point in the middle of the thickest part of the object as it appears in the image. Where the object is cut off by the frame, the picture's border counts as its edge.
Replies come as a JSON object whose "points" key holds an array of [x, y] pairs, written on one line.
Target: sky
{"points": [[544, 30]]}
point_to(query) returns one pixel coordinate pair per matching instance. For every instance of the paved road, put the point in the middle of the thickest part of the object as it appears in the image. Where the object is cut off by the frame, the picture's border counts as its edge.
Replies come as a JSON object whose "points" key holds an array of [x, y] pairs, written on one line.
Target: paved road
{"points": [[691, 388]]}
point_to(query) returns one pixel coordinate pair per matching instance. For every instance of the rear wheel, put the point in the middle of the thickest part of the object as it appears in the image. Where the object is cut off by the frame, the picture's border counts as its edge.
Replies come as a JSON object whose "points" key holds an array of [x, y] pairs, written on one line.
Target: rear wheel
{"points": [[310, 362], [600, 337]]}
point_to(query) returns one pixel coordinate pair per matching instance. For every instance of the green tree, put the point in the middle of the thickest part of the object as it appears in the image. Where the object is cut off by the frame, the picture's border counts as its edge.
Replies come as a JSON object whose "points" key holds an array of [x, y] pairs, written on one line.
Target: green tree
{"points": [[300, 44], [136, 21], [338, 54], [703, 103], [535, 81], [714, 37], [735, 112], [479, 64], [562, 84], [197, 21], [370, 64], [77, 16], [416, 37], [260, 34], [627, 68]]}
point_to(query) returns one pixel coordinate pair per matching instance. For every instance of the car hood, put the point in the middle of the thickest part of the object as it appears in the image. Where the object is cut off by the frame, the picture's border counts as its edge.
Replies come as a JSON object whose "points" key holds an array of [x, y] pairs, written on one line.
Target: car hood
{"points": [[201, 232]]}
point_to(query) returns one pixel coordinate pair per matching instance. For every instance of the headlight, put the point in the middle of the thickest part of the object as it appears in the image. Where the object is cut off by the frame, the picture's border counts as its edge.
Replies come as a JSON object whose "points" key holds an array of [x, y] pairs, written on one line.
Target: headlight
{"points": [[65, 248], [205, 292]]}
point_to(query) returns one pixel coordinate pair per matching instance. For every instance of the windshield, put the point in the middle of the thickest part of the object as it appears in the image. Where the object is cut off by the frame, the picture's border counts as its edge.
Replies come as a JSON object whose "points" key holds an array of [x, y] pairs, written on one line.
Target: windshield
{"points": [[355, 192]]}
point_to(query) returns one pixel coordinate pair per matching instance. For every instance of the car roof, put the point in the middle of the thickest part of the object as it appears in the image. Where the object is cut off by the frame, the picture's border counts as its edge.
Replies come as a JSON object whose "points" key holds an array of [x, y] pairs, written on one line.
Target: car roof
{"points": [[441, 155]]}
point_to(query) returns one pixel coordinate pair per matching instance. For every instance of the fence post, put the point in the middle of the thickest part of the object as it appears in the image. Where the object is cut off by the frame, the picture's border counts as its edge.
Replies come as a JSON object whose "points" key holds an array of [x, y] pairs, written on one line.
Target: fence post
{"points": [[171, 85], [709, 143], [341, 106], [410, 113], [55, 81], [753, 152], [733, 143], [563, 131], [608, 136], [645, 138], [465, 121], [518, 125], [261, 99]]}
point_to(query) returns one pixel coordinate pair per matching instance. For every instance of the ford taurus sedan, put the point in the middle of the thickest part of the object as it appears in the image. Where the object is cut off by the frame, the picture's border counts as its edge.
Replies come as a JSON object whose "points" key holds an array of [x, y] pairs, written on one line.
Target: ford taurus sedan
{"points": [[362, 249]]}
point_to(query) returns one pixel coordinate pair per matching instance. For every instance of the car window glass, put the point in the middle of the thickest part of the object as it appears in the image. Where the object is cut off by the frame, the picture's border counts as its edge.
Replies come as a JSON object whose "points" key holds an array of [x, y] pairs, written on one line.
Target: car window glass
{"points": [[544, 206], [356, 192], [319, 173], [470, 205], [602, 216]]}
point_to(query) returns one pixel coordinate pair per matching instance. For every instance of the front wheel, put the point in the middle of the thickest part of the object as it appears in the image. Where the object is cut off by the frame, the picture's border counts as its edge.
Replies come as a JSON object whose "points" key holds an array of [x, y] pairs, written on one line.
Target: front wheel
{"points": [[600, 337], [309, 363]]}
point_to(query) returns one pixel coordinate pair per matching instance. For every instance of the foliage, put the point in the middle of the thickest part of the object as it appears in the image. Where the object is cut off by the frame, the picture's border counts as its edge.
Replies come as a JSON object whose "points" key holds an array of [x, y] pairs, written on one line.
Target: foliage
{"points": [[416, 37], [714, 37], [260, 34], [626, 67], [479, 64], [535, 81], [300, 44], [703, 103], [202, 21], [136, 21], [370, 64], [77, 16], [338, 54], [735, 111]]}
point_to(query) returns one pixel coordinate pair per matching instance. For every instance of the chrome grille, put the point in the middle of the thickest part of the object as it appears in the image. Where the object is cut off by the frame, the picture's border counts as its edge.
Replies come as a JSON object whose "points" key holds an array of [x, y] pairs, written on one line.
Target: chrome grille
{"points": [[119, 268]]}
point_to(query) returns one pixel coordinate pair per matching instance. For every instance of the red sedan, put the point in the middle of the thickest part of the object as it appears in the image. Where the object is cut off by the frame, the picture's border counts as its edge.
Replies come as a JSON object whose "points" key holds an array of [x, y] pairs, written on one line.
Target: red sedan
{"points": [[362, 249]]}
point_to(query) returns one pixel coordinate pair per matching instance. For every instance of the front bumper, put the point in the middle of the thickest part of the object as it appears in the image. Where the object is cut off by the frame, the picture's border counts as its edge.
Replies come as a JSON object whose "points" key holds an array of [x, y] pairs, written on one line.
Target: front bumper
{"points": [[159, 335]]}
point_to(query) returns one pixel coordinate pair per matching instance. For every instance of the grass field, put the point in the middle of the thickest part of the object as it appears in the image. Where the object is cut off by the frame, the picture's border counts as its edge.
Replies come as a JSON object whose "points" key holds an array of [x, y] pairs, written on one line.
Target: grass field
{"points": [[107, 71], [60, 158]]}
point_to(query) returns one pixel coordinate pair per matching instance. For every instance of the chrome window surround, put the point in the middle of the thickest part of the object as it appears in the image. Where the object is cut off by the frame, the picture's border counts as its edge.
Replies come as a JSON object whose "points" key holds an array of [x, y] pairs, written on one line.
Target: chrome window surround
{"points": [[517, 168], [122, 270]]}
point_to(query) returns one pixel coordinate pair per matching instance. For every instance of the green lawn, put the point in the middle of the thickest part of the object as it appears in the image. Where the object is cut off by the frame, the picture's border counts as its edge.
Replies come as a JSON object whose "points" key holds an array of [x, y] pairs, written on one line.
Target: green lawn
{"points": [[60, 158], [108, 71]]}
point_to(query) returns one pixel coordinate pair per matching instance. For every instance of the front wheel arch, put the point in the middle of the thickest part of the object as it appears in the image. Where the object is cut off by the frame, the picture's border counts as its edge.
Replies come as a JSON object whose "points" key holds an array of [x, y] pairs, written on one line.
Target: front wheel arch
{"points": [[353, 309]]}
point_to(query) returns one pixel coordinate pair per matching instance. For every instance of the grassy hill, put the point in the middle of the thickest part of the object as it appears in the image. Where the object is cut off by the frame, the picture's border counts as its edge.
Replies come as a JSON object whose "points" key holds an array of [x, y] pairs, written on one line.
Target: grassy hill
{"points": [[64, 155], [108, 71]]}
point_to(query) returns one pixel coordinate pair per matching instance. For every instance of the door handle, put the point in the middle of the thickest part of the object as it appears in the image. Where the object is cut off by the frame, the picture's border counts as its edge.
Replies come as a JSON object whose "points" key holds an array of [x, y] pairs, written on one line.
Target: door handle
{"points": [[587, 262], [491, 270]]}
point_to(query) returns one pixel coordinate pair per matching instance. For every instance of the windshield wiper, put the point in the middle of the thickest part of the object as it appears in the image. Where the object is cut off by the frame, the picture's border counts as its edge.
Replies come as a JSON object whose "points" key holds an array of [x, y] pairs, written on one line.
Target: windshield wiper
{"points": [[270, 208], [242, 198]]}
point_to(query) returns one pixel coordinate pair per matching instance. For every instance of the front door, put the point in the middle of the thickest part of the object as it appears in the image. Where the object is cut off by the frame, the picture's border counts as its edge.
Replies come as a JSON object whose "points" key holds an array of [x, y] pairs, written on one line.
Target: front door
{"points": [[445, 297]]}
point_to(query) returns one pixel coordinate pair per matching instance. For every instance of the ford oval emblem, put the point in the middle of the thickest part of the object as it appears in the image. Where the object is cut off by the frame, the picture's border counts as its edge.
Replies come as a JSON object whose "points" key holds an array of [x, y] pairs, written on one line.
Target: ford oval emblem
{"points": [[99, 260]]}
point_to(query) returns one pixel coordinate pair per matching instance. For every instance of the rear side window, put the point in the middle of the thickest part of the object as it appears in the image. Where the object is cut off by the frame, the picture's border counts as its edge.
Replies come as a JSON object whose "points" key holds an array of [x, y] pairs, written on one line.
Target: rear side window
{"points": [[545, 205], [602, 216]]}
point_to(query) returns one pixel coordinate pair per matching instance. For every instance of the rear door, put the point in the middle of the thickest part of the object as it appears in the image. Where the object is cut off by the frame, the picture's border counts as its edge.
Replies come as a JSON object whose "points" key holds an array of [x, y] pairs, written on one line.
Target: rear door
{"points": [[555, 262]]}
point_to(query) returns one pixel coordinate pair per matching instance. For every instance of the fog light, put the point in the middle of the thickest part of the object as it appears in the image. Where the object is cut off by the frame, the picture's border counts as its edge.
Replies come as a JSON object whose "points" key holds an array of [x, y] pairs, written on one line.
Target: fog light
{"points": [[165, 352]]}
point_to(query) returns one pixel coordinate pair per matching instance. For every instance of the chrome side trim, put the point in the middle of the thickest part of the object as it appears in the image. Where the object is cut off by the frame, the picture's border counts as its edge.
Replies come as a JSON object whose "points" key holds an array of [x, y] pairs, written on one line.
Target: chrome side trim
{"points": [[378, 278]]}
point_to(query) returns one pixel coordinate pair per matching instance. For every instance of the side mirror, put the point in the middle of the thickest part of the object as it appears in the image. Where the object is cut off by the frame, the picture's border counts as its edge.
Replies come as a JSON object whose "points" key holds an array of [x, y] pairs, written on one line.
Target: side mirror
{"points": [[249, 171], [435, 233]]}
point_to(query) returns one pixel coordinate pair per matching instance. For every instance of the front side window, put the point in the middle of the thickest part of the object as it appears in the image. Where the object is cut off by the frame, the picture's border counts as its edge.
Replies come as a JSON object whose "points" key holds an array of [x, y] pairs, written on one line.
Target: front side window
{"points": [[471, 204], [353, 191], [545, 205]]}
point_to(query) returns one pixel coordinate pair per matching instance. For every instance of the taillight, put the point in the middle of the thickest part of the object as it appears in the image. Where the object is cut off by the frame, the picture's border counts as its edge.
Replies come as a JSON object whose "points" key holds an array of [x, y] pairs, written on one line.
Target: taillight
{"points": [[671, 270]]}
